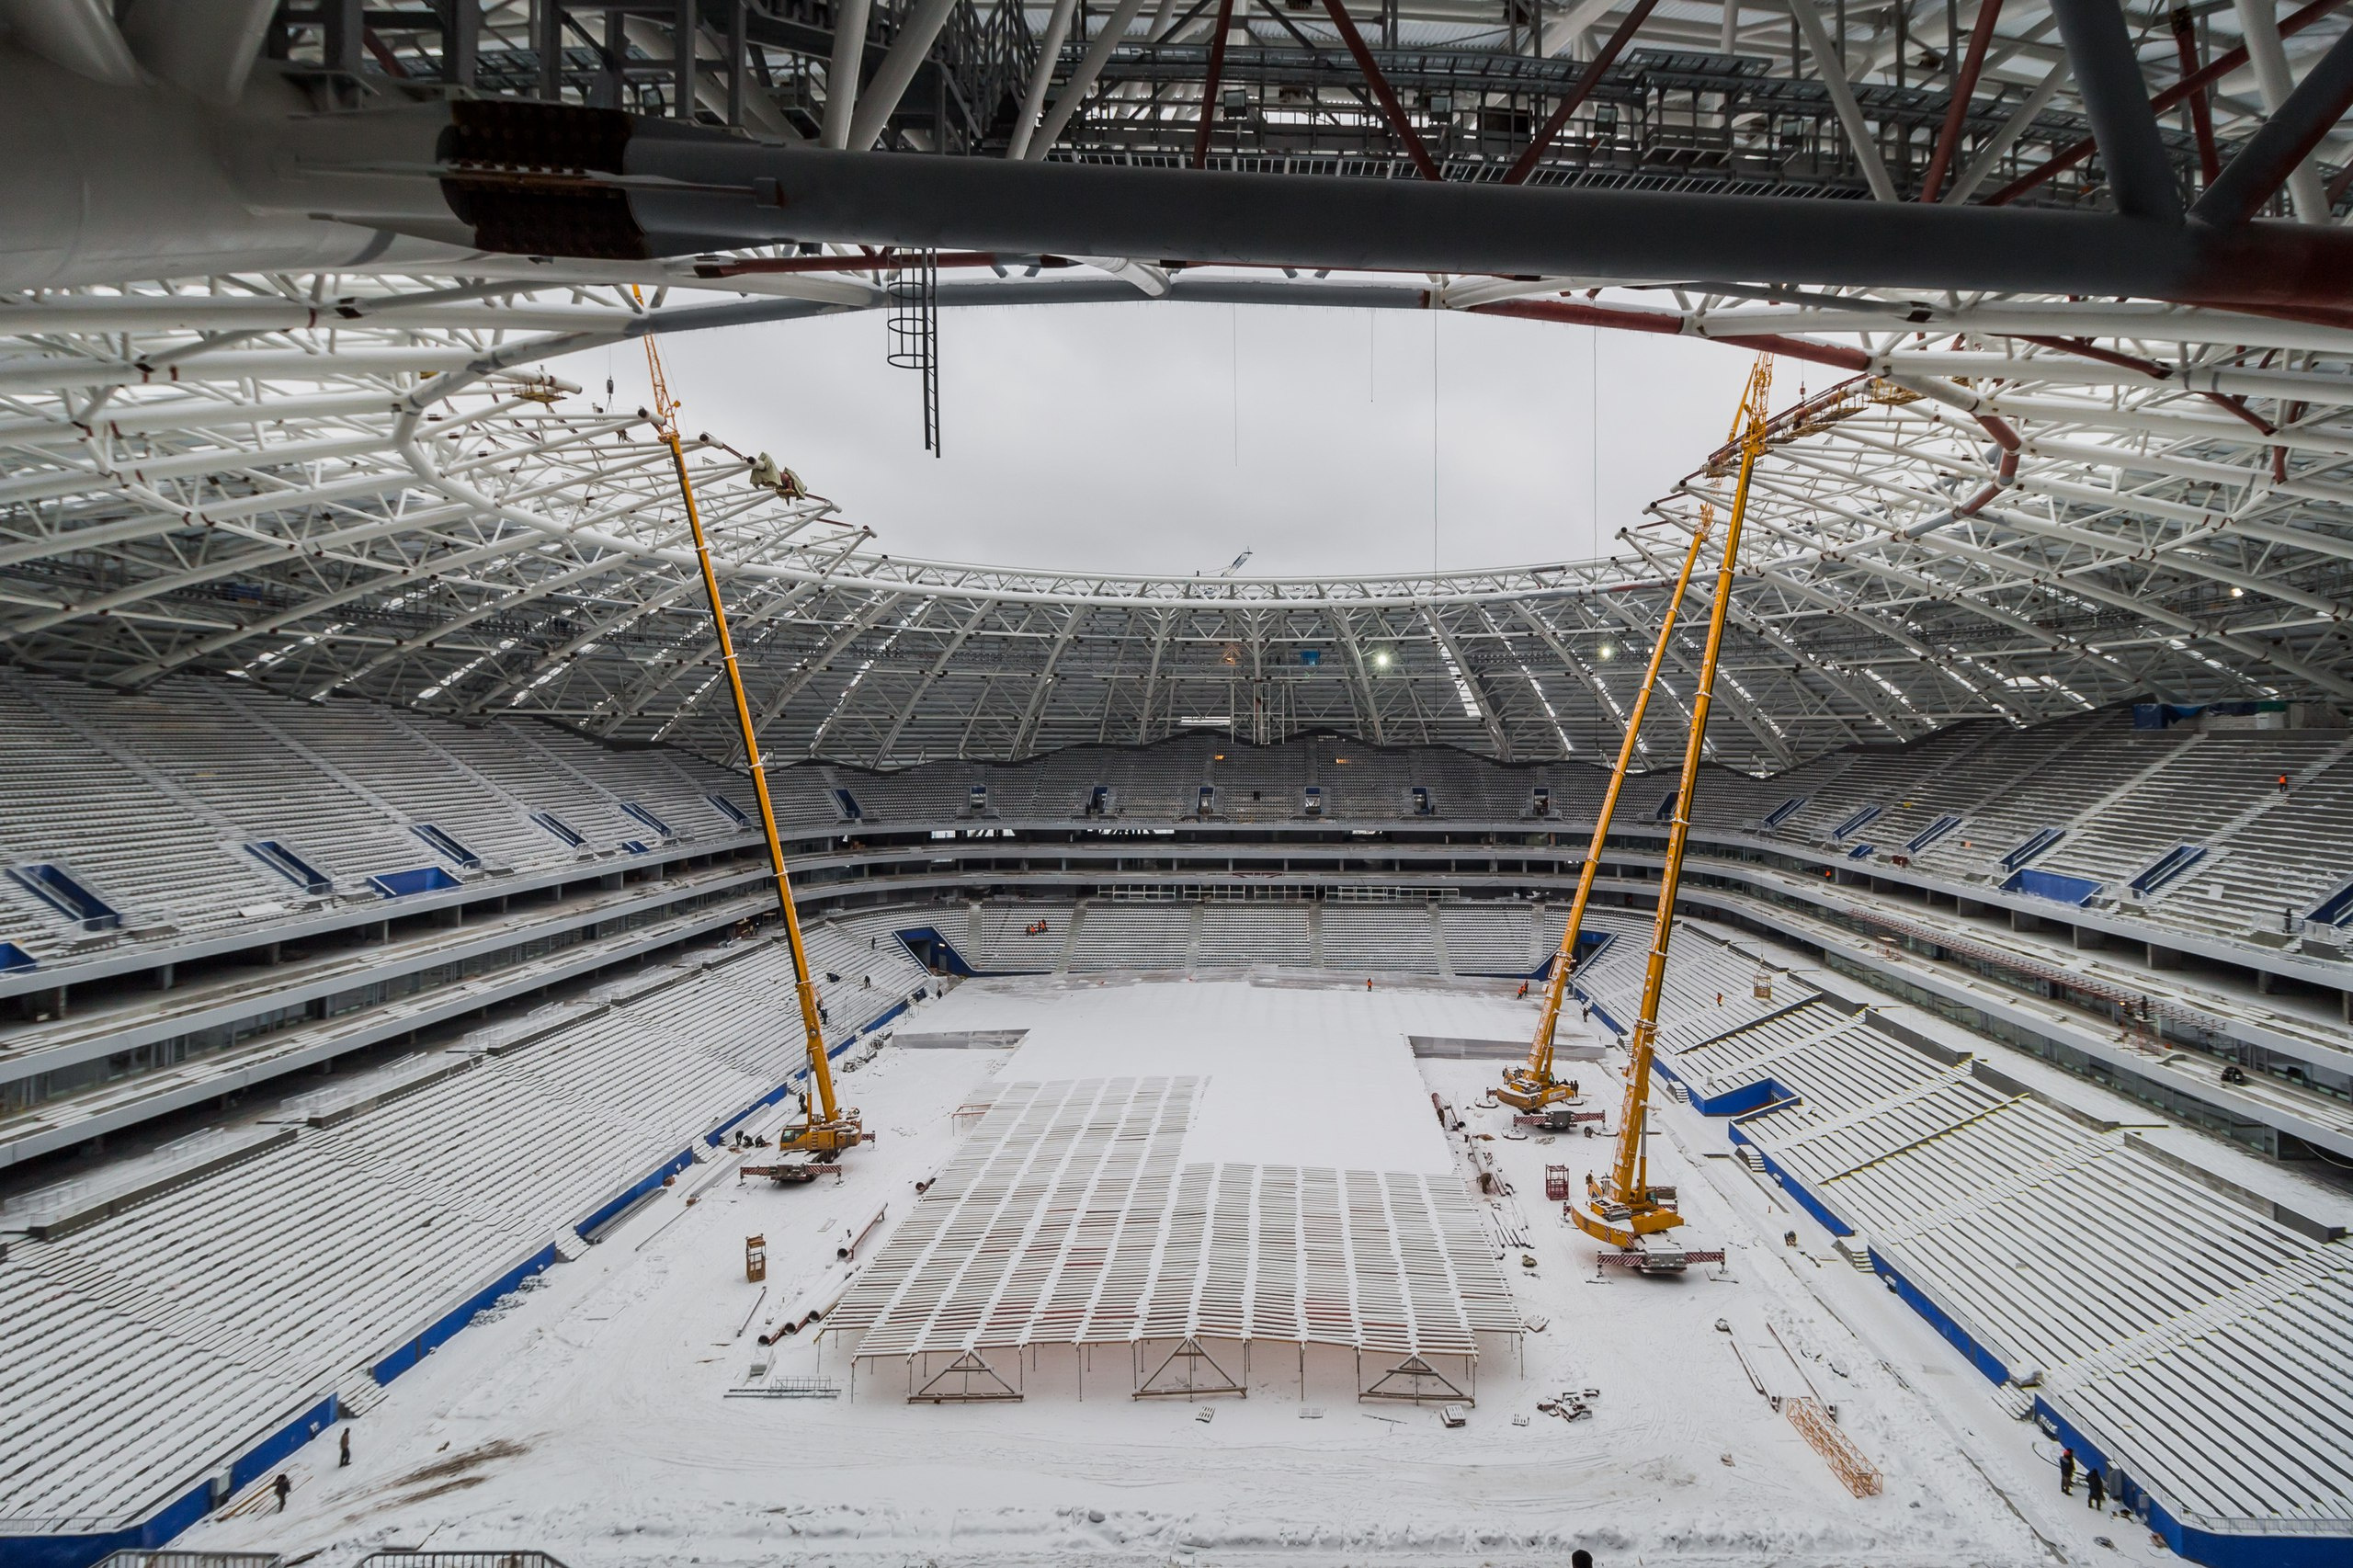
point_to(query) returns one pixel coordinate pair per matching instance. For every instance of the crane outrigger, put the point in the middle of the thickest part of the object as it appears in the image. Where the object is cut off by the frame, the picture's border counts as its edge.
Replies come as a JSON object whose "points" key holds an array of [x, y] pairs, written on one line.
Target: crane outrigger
{"points": [[1624, 1209], [826, 1129]]}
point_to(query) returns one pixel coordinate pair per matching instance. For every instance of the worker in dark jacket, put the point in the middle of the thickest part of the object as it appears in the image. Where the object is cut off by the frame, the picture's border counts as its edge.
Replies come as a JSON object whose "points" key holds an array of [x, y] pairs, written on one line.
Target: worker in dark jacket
{"points": [[284, 1484], [2096, 1487], [2066, 1472]]}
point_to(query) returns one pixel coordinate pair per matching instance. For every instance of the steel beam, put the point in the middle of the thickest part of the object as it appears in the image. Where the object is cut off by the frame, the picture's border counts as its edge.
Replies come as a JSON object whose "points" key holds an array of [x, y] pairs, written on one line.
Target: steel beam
{"points": [[1209, 216], [2277, 151]]}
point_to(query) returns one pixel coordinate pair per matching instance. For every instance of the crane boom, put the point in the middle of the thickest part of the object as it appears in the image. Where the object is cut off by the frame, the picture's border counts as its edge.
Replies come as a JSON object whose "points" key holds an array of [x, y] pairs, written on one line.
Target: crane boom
{"points": [[1627, 1209], [825, 1130], [1532, 1086]]}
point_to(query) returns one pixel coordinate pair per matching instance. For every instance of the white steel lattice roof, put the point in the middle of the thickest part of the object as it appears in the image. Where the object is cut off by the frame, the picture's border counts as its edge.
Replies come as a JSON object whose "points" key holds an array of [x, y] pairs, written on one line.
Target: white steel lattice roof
{"points": [[370, 484]]}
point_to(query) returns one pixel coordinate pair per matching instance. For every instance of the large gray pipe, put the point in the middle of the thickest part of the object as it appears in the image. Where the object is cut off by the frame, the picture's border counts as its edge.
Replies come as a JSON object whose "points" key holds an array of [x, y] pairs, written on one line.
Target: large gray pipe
{"points": [[115, 183], [109, 185]]}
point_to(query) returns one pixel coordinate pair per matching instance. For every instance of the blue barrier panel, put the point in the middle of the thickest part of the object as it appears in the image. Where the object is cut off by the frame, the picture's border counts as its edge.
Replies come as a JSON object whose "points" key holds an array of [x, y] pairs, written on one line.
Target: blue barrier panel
{"points": [[1796, 1188], [449, 1322], [2215, 1548], [81, 1551], [1740, 1101], [946, 957], [636, 1191], [2051, 885], [2042, 840], [2333, 910], [259, 1460], [13, 956], [57, 888], [1979, 1356], [1603, 1014], [424, 879]]}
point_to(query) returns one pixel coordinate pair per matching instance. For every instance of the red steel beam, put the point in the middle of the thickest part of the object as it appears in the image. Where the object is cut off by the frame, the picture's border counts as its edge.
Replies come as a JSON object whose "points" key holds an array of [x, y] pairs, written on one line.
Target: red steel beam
{"points": [[2214, 71], [1382, 91], [1525, 164], [1964, 86], [1571, 313], [1210, 87]]}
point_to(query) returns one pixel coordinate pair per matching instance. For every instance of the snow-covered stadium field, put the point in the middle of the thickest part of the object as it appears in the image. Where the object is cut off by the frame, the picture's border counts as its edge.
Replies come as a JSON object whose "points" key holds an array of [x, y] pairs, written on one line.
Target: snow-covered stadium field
{"points": [[593, 1418]]}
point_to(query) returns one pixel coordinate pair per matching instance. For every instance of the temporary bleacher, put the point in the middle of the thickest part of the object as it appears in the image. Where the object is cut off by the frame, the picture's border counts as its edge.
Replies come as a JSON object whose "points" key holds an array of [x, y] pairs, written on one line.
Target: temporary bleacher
{"points": [[249, 1295], [2179, 1327]]}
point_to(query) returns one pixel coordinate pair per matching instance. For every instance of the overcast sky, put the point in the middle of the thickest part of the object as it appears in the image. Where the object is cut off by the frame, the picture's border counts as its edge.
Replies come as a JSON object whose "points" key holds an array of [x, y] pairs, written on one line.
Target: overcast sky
{"points": [[1170, 437]]}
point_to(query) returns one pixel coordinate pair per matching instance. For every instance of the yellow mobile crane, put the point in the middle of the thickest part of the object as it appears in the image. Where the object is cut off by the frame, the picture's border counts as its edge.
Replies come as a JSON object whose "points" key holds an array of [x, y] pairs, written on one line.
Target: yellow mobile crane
{"points": [[1625, 1210], [1532, 1085], [826, 1129]]}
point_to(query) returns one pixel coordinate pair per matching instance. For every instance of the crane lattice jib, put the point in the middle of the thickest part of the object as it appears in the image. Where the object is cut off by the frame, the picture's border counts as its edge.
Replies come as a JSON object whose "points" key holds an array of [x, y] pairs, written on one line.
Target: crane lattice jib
{"points": [[1540, 1057], [825, 1111], [1629, 1189]]}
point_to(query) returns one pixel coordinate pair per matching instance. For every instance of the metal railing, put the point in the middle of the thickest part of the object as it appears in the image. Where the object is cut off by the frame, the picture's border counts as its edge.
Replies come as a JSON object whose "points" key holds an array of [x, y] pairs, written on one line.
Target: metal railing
{"points": [[526, 1557]]}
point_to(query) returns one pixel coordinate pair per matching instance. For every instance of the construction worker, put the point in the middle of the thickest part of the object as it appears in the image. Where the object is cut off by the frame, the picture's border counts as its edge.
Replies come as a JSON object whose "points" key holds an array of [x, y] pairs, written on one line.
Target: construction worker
{"points": [[2066, 1472], [2096, 1487], [2283, 783], [282, 1486], [343, 1454], [1367, 983]]}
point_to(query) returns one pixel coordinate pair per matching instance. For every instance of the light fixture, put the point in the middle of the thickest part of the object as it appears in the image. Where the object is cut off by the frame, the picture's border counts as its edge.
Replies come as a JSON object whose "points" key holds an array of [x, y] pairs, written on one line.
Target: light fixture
{"points": [[1604, 653], [1380, 660], [2238, 593]]}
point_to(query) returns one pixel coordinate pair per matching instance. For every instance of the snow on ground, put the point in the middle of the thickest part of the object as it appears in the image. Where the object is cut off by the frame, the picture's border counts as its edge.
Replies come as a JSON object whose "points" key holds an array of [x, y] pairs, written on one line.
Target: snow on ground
{"points": [[1267, 1051], [591, 1418]]}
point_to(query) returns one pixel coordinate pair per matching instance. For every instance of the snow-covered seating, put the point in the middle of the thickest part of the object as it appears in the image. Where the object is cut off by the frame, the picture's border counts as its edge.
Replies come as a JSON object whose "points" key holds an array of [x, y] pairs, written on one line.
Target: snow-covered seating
{"points": [[144, 1349], [1113, 935], [1238, 935], [1373, 938]]}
